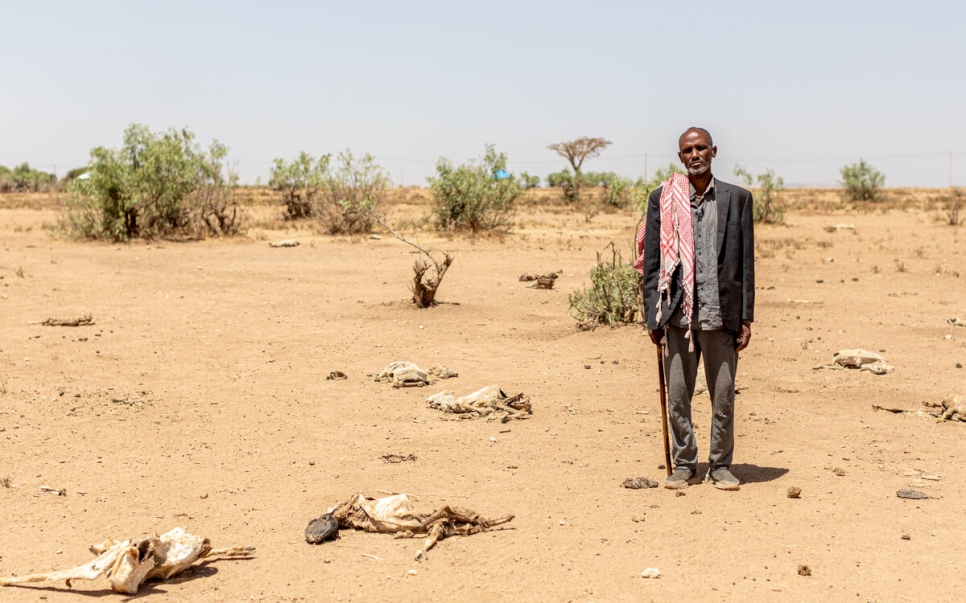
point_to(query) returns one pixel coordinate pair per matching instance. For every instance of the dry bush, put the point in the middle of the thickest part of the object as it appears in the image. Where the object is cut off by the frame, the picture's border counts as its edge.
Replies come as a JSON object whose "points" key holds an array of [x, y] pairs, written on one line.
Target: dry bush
{"points": [[954, 205]]}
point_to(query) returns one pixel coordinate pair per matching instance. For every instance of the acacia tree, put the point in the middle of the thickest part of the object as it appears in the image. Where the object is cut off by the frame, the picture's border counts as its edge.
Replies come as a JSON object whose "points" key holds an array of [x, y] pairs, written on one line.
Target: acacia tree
{"points": [[576, 152]]}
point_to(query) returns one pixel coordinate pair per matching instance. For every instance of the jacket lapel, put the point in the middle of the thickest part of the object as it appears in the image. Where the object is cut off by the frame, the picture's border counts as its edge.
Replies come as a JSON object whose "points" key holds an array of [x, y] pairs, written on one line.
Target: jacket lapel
{"points": [[722, 195]]}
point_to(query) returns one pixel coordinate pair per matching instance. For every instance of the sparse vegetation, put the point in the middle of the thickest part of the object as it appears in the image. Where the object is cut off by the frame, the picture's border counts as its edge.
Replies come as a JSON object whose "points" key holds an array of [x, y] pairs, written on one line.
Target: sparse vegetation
{"points": [[528, 181], [350, 194], [614, 295], [158, 184], [24, 179], [470, 197], [862, 182], [768, 205], [576, 152], [425, 284], [954, 205], [299, 183]]}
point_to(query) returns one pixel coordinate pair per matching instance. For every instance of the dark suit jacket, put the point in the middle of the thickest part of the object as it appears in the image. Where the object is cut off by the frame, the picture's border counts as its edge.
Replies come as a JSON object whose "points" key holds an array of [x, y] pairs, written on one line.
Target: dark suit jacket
{"points": [[736, 259]]}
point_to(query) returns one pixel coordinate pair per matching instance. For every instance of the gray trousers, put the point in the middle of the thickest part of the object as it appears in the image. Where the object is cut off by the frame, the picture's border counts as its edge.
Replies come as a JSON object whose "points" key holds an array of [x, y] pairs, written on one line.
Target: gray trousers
{"points": [[680, 371]]}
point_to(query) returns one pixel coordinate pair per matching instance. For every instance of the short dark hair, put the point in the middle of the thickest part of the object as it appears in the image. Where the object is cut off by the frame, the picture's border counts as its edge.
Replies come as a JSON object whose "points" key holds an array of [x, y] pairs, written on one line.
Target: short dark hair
{"points": [[706, 133]]}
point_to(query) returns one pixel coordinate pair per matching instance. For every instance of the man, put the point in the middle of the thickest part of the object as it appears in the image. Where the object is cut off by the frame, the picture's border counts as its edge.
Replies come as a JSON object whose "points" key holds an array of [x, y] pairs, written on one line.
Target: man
{"points": [[699, 298]]}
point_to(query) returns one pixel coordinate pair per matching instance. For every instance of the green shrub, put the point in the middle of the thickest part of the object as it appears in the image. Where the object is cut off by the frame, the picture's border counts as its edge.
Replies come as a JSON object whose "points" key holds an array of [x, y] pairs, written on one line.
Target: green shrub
{"points": [[299, 183], [158, 184], [469, 197], [527, 181], [24, 179], [350, 194], [768, 205], [614, 295], [862, 182]]}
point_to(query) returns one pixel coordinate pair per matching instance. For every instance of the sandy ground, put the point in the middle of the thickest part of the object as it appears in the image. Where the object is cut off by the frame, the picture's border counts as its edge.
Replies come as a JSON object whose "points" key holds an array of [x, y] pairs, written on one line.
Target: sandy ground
{"points": [[199, 399]]}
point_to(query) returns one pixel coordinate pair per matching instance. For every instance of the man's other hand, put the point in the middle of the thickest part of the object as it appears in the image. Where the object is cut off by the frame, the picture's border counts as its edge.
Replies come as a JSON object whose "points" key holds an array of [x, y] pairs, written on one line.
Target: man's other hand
{"points": [[657, 337], [744, 337]]}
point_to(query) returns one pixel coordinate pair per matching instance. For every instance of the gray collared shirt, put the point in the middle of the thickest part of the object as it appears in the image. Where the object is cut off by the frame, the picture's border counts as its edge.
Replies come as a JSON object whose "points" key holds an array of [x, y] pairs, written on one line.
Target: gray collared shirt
{"points": [[707, 304]]}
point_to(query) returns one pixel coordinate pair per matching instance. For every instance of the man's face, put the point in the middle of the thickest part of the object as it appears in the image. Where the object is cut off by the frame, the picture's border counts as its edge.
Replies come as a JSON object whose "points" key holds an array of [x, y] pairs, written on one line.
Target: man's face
{"points": [[696, 152]]}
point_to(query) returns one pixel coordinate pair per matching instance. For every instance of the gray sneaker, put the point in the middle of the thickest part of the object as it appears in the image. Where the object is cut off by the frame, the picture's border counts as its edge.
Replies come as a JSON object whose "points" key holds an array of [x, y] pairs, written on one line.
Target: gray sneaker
{"points": [[679, 479], [722, 479]]}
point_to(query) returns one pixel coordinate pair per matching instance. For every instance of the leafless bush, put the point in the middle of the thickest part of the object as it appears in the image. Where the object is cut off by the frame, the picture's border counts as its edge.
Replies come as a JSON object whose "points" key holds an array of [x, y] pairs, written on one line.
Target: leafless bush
{"points": [[425, 282], [954, 205]]}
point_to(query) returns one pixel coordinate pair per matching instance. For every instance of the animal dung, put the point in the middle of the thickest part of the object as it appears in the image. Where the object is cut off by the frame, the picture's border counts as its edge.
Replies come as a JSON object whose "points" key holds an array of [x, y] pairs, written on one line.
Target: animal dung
{"points": [[794, 492], [639, 483]]}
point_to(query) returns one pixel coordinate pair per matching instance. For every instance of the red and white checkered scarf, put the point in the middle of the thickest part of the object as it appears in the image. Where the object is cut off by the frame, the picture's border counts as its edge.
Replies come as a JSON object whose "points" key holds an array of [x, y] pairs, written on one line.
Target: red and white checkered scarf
{"points": [[677, 243]]}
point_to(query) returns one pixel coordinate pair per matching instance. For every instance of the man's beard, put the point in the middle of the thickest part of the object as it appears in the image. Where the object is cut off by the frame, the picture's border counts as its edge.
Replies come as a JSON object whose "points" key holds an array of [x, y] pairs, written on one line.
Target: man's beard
{"points": [[698, 170]]}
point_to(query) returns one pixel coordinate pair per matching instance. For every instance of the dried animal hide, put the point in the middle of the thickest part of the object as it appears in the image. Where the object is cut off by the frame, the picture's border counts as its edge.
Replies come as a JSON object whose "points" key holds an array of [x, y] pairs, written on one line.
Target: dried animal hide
{"points": [[395, 515], [949, 410], [489, 401], [129, 563], [407, 374], [862, 359]]}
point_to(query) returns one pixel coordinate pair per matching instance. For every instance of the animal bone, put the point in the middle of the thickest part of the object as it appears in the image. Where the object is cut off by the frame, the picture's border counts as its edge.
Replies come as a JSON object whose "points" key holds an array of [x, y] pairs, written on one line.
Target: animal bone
{"points": [[129, 563]]}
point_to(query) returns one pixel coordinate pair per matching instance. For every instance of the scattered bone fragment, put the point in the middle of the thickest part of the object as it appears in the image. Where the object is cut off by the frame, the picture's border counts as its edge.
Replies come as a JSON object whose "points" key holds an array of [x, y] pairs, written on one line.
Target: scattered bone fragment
{"points": [[80, 321], [127, 564], [285, 243], [651, 572], [488, 401], [336, 376], [863, 360], [638, 483], [957, 322], [57, 491]]}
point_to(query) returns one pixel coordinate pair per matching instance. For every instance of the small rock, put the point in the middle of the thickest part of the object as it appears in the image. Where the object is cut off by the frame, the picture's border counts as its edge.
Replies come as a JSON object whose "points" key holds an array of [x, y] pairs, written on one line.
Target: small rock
{"points": [[804, 570], [651, 572], [492, 439], [679, 493], [586, 366], [838, 471], [412, 572], [906, 537], [911, 494], [794, 492]]}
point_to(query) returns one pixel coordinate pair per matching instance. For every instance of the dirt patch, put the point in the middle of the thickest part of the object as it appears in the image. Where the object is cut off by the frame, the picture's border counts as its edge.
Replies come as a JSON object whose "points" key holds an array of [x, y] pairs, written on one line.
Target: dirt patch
{"points": [[199, 399]]}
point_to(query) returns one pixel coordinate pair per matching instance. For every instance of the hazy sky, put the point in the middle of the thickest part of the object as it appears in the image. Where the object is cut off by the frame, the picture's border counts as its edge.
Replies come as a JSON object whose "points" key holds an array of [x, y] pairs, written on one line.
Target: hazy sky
{"points": [[800, 87]]}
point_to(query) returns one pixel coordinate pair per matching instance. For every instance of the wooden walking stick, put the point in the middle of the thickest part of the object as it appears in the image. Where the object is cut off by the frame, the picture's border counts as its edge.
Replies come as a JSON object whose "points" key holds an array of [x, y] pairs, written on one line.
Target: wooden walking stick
{"points": [[664, 427]]}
